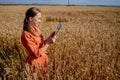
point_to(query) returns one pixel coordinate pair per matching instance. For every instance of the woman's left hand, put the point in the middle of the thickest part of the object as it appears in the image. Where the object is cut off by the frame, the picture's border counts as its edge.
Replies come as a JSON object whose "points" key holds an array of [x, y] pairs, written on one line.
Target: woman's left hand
{"points": [[51, 38]]}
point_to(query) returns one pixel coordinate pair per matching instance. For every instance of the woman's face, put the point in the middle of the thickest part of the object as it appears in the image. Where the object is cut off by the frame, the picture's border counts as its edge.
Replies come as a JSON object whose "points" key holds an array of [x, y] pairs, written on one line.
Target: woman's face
{"points": [[36, 19]]}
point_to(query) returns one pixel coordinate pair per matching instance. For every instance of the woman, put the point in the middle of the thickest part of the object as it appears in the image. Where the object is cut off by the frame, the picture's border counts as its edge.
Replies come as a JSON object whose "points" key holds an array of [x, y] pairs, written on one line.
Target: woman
{"points": [[33, 41]]}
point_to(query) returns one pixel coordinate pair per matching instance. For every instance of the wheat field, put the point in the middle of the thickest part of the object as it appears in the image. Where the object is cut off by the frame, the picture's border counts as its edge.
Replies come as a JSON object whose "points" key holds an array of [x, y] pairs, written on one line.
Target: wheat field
{"points": [[87, 47]]}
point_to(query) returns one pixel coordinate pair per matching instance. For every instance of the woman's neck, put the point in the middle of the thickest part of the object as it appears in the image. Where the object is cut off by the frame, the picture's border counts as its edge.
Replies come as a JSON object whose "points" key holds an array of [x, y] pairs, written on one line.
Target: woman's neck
{"points": [[31, 29], [32, 24]]}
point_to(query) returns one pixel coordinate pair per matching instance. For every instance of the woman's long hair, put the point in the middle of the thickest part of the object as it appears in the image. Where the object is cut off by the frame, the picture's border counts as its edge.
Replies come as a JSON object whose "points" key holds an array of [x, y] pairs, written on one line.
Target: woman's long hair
{"points": [[31, 12]]}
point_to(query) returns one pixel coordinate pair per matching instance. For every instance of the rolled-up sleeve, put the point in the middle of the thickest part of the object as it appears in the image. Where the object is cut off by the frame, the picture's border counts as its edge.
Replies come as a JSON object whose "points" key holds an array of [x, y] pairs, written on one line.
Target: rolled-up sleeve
{"points": [[30, 44]]}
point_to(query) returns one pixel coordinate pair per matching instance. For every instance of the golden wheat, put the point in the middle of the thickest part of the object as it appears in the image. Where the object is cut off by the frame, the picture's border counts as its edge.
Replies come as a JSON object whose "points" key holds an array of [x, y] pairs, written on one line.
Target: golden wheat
{"points": [[87, 47]]}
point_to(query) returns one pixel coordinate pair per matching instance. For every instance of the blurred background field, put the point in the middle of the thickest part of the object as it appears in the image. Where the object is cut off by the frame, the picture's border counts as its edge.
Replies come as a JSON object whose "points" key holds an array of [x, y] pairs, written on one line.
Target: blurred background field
{"points": [[87, 47]]}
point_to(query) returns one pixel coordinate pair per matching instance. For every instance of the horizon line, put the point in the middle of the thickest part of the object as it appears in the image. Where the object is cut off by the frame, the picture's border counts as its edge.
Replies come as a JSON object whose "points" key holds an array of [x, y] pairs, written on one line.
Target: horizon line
{"points": [[63, 5]]}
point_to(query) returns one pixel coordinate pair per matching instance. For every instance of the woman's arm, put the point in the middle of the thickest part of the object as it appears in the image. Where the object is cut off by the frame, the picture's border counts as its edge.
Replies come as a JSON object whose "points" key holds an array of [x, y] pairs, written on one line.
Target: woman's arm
{"points": [[48, 41], [29, 43]]}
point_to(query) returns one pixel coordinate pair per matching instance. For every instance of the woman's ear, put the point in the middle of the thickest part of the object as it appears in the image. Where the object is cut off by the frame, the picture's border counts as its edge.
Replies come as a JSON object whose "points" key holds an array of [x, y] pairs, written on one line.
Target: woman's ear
{"points": [[30, 19]]}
